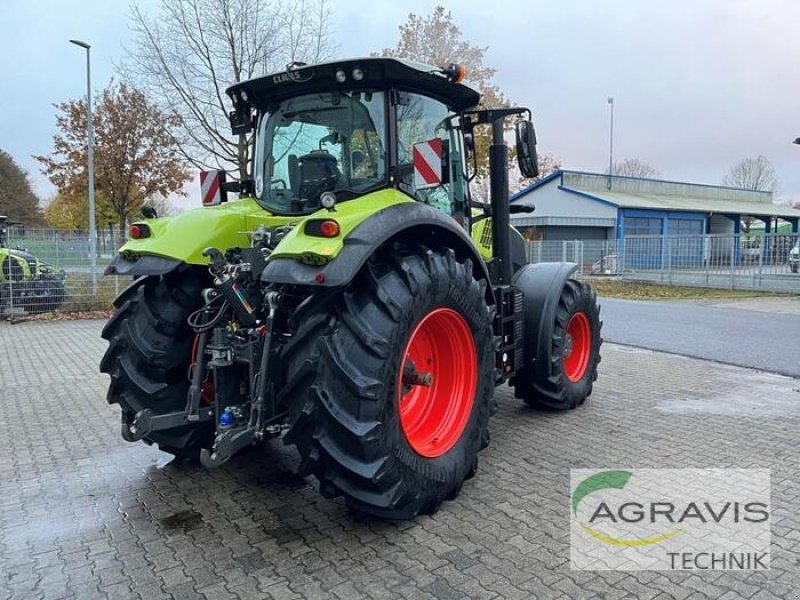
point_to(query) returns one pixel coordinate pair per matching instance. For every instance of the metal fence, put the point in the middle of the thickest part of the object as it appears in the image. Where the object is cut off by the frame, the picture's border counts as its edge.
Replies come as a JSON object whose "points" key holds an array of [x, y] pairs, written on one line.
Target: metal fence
{"points": [[45, 270], [52, 270], [751, 262]]}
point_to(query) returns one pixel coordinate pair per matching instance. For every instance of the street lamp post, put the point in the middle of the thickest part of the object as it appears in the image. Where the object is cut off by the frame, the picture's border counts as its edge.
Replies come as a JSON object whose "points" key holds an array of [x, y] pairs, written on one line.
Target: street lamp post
{"points": [[611, 143], [90, 153]]}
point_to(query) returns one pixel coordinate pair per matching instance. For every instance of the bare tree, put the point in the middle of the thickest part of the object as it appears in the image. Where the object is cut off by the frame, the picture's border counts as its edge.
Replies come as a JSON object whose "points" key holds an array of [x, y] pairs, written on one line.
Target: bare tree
{"points": [[548, 164], [754, 173], [192, 50], [635, 167]]}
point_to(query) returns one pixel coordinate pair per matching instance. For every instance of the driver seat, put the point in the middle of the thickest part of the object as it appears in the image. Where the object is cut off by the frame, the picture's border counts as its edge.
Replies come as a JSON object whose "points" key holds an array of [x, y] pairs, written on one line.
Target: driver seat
{"points": [[318, 172]]}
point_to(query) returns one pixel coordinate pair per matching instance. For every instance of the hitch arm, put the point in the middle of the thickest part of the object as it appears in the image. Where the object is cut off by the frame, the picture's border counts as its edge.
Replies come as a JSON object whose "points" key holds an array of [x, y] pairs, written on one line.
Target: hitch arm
{"points": [[145, 422]]}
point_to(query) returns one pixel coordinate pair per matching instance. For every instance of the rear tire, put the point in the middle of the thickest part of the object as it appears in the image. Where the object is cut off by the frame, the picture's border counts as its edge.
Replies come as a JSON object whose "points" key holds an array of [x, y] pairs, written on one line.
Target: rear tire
{"points": [[349, 404], [149, 352], [575, 353]]}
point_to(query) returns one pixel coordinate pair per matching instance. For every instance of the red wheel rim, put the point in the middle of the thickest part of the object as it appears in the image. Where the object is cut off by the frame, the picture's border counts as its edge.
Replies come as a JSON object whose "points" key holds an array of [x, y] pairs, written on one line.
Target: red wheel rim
{"points": [[577, 347], [436, 382]]}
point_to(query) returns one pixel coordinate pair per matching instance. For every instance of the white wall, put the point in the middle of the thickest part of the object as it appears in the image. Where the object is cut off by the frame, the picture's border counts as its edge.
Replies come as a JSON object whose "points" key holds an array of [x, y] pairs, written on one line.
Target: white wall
{"points": [[552, 202], [721, 225]]}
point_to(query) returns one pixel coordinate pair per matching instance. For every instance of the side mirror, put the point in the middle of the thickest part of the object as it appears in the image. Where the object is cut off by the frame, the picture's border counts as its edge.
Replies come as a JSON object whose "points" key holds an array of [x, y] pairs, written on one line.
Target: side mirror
{"points": [[526, 149]]}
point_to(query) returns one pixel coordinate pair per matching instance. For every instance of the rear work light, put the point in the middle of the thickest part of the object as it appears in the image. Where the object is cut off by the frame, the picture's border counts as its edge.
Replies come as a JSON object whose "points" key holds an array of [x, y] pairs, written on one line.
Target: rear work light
{"points": [[326, 228], [138, 231]]}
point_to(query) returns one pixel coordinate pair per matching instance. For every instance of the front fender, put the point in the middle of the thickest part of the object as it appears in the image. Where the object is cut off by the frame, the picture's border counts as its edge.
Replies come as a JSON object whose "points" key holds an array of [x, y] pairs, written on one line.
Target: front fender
{"points": [[541, 286]]}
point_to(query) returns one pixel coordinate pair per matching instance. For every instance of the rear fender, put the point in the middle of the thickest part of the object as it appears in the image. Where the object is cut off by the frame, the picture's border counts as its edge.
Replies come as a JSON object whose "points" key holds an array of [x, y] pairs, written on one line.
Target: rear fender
{"points": [[411, 222], [143, 265], [541, 285]]}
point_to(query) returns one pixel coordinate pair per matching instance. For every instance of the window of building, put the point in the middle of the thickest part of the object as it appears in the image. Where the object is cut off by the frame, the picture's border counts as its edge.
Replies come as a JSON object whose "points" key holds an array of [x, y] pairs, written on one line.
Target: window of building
{"points": [[642, 226], [685, 227]]}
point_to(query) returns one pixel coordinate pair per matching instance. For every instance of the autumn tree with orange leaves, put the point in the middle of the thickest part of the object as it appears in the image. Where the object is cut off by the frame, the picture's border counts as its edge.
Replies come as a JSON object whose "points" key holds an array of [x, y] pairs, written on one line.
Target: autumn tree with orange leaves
{"points": [[135, 155], [437, 40]]}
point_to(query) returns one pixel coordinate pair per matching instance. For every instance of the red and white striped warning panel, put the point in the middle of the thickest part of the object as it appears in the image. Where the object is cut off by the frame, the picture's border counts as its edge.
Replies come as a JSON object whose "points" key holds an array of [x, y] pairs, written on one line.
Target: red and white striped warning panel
{"points": [[428, 161], [210, 187]]}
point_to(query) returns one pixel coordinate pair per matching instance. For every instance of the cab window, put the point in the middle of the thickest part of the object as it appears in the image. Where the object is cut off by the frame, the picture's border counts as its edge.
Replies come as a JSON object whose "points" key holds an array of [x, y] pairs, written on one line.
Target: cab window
{"points": [[432, 128]]}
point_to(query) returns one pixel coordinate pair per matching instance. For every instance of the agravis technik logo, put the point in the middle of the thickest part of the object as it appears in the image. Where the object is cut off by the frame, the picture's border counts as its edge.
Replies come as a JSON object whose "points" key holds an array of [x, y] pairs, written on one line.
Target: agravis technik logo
{"points": [[670, 519]]}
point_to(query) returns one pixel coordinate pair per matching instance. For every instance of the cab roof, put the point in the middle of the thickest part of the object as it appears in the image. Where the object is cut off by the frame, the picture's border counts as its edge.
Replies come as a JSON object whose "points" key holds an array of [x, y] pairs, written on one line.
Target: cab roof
{"points": [[377, 73]]}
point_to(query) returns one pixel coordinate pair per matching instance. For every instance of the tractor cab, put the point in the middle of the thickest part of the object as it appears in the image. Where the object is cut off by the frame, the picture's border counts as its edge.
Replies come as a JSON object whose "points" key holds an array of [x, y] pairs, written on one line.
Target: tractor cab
{"points": [[334, 132]]}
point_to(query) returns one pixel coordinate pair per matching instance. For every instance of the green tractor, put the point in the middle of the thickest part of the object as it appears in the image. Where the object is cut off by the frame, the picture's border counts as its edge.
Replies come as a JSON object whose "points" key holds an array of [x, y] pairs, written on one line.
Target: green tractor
{"points": [[354, 301], [27, 284]]}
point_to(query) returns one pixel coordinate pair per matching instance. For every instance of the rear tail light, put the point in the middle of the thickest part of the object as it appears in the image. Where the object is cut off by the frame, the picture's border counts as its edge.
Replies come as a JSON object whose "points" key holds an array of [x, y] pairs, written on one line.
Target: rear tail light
{"points": [[138, 231], [326, 228]]}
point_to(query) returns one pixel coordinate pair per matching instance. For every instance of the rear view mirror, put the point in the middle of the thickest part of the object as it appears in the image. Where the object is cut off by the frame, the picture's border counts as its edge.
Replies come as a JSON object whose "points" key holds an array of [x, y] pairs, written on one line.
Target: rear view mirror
{"points": [[526, 149]]}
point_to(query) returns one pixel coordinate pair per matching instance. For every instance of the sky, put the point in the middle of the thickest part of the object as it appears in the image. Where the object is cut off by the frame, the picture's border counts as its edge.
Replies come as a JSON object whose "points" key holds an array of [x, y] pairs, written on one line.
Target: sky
{"points": [[698, 84]]}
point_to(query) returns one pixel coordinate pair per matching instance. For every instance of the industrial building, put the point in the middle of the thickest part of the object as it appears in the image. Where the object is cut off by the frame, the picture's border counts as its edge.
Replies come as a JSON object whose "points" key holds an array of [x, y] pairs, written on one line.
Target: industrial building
{"points": [[574, 205]]}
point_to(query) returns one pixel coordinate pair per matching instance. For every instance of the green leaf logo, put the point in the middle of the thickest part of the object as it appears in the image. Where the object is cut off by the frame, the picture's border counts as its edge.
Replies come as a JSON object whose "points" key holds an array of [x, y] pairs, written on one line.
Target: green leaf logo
{"points": [[599, 481], [611, 480]]}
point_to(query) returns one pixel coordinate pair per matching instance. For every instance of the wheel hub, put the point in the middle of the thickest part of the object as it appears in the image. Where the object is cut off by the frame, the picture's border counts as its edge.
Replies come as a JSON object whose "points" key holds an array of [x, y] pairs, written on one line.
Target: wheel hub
{"points": [[413, 377], [437, 382], [577, 347], [568, 343]]}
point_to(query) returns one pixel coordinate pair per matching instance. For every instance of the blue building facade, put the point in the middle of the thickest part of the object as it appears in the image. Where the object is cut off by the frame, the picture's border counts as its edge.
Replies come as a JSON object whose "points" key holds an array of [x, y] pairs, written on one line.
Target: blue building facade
{"points": [[653, 215]]}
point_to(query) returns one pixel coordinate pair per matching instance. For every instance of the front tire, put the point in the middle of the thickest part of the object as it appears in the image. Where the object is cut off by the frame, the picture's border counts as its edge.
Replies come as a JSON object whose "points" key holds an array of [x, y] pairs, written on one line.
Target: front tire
{"points": [[365, 417], [149, 354], [575, 353], [44, 295]]}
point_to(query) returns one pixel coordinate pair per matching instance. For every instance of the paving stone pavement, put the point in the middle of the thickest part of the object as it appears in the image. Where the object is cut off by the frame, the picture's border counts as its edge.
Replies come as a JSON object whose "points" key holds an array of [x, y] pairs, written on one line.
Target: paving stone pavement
{"points": [[84, 514]]}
